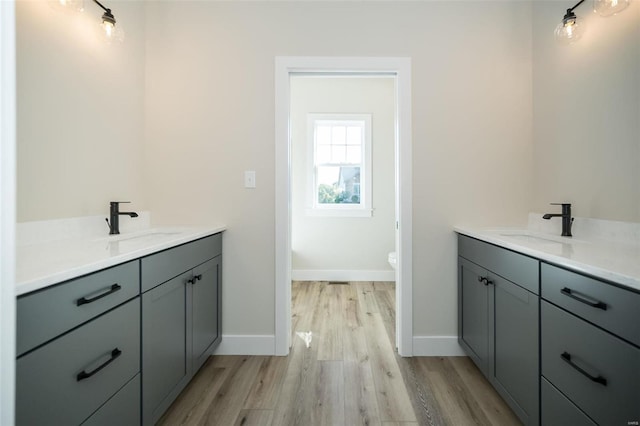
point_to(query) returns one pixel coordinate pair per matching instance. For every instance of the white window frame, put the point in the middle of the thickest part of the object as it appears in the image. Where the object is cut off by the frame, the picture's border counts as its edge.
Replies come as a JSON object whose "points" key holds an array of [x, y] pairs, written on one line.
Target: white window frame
{"points": [[362, 209]]}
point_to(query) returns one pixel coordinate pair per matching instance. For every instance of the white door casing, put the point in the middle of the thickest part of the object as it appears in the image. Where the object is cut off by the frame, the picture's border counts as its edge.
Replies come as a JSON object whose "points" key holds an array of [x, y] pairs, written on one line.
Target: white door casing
{"points": [[7, 212], [401, 68]]}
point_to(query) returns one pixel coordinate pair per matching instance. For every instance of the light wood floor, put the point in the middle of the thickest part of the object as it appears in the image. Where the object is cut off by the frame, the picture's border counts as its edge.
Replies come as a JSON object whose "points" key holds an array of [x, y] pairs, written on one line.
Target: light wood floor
{"points": [[349, 374]]}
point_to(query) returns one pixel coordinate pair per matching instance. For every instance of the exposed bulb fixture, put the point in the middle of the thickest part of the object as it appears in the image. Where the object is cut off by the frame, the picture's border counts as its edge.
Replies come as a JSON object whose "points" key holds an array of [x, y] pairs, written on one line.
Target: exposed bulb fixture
{"points": [[571, 28], [110, 31], [609, 7], [76, 5]]}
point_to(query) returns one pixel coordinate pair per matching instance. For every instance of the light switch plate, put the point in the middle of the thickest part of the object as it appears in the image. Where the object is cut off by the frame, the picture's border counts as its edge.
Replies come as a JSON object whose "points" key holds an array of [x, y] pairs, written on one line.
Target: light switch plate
{"points": [[249, 179]]}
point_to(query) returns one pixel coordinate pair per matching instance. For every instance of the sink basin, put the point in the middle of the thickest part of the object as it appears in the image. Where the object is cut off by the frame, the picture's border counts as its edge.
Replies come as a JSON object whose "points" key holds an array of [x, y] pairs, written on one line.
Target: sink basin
{"points": [[146, 236], [538, 239], [529, 238]]}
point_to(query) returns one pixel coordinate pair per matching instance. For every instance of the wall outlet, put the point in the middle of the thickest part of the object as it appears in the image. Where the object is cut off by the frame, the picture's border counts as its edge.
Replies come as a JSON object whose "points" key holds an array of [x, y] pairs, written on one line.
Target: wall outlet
{"points": [[249, 179]]}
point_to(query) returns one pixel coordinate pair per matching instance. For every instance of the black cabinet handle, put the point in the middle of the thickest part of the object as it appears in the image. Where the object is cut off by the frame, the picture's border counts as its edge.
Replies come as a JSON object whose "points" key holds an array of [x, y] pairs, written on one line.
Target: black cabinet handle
{"points": [[572, 294], [566, 357], [84, 300], [485, 280], [84, 375], [195, 278]]}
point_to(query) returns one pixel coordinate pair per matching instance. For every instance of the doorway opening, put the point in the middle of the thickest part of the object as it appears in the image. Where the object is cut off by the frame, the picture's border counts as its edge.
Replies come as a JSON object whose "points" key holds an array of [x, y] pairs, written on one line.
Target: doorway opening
{"points": [[397, 69]]}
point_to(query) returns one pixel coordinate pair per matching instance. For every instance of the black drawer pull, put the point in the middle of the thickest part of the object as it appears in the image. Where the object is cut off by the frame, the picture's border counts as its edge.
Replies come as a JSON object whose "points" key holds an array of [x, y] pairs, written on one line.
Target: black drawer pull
{"points": [[194, 279], [84, 375], [485, 280], [84, 300], [566, 357], [572, 294]]}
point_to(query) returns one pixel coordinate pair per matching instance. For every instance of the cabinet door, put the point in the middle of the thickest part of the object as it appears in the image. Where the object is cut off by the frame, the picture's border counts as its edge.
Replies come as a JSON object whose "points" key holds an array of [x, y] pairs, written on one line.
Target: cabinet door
{"points": [[205, 302], [165, 361], [514, 343], [473, 317]]}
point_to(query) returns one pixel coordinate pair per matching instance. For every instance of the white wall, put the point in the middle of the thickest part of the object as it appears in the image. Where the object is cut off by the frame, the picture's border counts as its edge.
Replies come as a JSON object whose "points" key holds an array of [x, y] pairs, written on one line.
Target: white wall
{"points": [[586, 107], [210, 116], [343, 243], [80, 111]]}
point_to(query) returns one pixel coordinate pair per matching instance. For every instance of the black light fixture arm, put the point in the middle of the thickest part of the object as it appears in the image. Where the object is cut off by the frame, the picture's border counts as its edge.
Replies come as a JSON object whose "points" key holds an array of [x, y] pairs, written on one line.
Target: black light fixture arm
{"points": [[568, 10], [109, 10], [107, 16], [567, 17]]}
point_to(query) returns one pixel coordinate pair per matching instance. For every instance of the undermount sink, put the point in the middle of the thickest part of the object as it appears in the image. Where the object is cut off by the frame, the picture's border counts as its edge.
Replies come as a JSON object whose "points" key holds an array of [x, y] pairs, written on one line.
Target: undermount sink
{"points": [[524, 236], [146, 236]]}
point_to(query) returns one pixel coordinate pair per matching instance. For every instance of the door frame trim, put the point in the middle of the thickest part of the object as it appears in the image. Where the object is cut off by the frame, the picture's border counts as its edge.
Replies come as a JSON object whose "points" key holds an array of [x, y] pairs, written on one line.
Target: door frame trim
{"points": [[401, 68], [8, 212]]}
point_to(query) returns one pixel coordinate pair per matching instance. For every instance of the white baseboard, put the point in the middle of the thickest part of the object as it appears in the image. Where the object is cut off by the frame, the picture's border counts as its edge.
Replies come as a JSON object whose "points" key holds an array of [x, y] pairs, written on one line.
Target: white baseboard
{"points": [[342, 275], [246, 345], [437, 346], [265, 345]]}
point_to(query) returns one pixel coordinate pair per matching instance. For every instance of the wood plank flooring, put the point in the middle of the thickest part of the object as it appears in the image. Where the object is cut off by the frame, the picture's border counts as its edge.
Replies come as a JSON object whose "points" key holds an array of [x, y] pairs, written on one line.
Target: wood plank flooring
{"points": [[348, 374]]}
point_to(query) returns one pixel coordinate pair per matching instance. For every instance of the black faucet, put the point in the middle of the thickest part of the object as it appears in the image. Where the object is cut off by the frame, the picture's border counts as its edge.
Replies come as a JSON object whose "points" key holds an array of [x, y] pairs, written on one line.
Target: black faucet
{"points": [[114, 216], [567, 220]]}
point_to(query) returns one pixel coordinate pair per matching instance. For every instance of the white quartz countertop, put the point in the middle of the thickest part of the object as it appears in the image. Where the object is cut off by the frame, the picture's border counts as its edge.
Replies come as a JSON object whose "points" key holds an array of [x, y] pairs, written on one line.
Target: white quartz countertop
{"points": [[40, 265], [615, 261]]}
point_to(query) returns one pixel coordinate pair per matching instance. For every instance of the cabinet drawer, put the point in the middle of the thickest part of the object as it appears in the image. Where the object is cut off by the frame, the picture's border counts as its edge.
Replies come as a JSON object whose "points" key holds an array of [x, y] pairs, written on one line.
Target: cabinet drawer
{"points": [[557, 410], [45, 314], [617, 310], [160, 267], [515, 267], [123, 409], [49, 386], [599, 355]]}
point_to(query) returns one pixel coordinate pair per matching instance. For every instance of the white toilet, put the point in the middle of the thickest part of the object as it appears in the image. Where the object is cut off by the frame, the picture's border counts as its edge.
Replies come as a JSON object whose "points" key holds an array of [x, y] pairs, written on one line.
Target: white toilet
{"points": [[392, 259]]}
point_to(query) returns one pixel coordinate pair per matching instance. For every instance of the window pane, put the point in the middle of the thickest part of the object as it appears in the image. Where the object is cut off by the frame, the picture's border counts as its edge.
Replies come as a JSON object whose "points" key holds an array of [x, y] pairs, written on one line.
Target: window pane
{"points": [[338, 185], [328, 175], [354, 135], [338, 135], [323, 154], [323, 135], [338, 154], [354, 155]]}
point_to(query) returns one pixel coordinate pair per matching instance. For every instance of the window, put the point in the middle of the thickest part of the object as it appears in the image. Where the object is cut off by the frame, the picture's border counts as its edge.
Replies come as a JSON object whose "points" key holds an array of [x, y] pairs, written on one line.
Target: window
{"points": [[340, 147]]}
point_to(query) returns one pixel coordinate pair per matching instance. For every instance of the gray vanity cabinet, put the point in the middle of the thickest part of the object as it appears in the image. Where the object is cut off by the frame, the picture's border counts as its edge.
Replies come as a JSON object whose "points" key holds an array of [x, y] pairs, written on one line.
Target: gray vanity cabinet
{"points": [[514, 368], [95, 351], [473, 315], [498, 321], [206, 310], [165, 362], [590, 347], [181, 319], [80, 351]]}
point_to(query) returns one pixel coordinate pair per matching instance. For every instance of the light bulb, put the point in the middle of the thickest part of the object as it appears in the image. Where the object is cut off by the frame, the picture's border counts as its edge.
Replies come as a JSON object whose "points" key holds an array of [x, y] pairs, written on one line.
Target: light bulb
{"points": [[609, 7], [110, 30], [570, 29], [73, 5]]}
